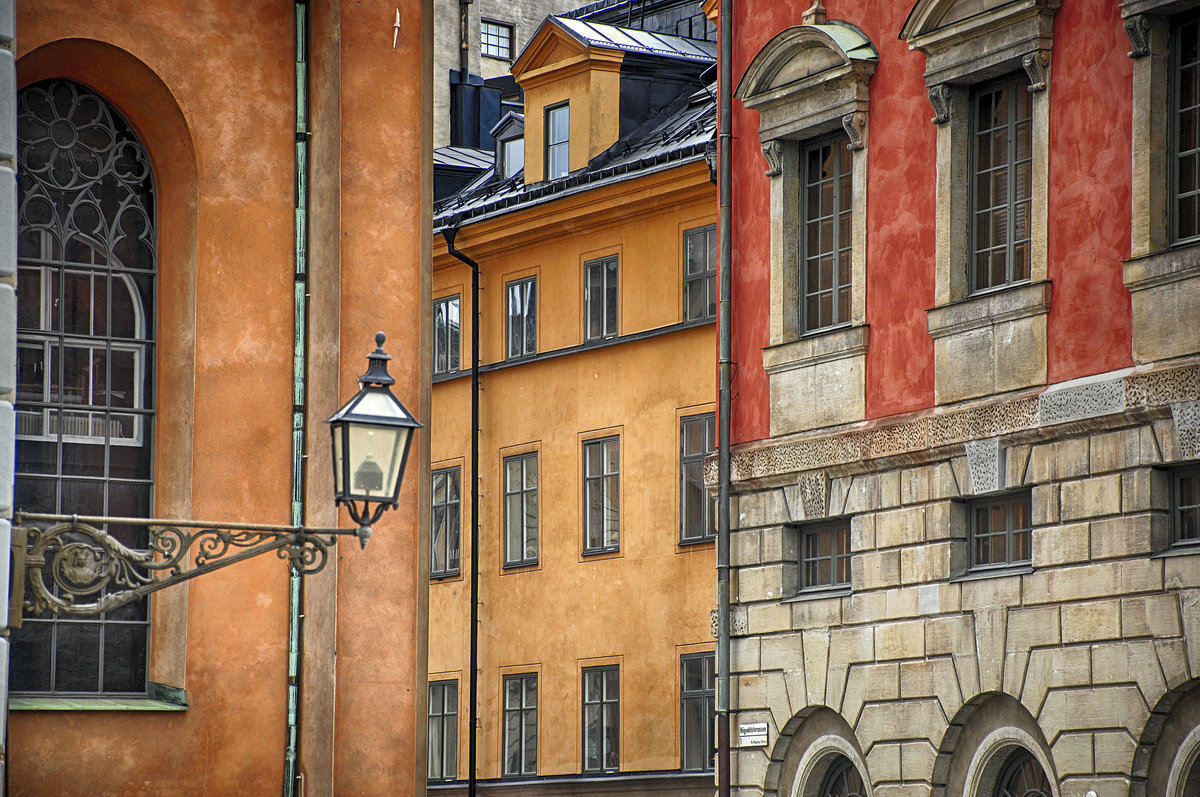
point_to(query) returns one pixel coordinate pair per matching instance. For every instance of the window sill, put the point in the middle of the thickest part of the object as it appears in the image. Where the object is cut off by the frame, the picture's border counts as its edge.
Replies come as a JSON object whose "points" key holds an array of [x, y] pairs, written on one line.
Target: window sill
{"points": [[835, 343], [980, 574], [1178, 549], [1176, 264], [818, 593], [448, 576], [516, 566], [31, 703], [694, 541], [602, 551], [987, 308]]}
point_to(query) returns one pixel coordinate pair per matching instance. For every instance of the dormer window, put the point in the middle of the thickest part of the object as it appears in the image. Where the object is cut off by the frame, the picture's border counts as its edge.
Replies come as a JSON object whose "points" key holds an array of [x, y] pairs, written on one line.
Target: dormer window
{"points": [[558, 141], [512, 156]]}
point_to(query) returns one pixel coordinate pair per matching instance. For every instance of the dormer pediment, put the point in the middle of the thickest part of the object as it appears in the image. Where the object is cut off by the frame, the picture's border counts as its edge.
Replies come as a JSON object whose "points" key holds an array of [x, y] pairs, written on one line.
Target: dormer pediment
{"points": [[549, 47]]}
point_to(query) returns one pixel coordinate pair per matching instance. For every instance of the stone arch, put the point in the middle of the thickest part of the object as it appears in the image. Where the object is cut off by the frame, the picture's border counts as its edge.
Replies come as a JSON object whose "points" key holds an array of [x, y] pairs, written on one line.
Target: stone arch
{"points": [[150, 107], [807, 745], [983, 733], [1169, 746]]}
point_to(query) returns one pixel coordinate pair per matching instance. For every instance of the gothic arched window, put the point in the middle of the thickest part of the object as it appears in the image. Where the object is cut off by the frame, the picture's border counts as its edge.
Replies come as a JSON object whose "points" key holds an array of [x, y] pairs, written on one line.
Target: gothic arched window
{"points": [[1022, 776], [87, 259], [842, 780]]}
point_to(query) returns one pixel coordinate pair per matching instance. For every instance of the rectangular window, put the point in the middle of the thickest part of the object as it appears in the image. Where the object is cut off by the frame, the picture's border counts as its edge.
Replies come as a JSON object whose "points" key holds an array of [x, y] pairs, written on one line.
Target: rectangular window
{"points": [[443, 730], [512, 156], [1186, 505], [697, 439], [445, 518], [522, 318], [495, 40], [697, 697], [1185, 133], [601, 495], [520, 724], [825, 555], [600, 298], [700, 274], [521, 510], [601, 719], [827, 201], [445, 335], [1000, 531], [558, 141], [1001, 164]]}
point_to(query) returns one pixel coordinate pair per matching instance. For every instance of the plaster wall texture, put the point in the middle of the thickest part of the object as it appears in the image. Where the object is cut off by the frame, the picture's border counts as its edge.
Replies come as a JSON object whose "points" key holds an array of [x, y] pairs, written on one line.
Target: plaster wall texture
{"points": [[226, 215]]}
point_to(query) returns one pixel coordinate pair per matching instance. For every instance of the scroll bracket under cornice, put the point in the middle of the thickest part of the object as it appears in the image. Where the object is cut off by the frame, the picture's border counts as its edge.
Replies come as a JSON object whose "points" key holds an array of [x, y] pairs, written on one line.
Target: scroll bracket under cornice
{"points": [[1137, 28], [939, 98], [773, 152], [1036, 66], [855, 124]]}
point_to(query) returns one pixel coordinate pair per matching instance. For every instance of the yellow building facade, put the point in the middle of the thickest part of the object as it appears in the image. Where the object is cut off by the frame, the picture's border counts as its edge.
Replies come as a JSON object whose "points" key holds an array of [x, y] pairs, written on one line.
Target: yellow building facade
{"points": [[596, 307]]}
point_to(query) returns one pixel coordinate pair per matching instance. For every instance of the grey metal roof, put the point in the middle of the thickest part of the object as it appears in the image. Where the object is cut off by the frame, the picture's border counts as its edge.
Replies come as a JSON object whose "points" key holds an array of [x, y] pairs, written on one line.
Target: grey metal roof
{"points": [[632, 40], [678, 135], [463, 157]]}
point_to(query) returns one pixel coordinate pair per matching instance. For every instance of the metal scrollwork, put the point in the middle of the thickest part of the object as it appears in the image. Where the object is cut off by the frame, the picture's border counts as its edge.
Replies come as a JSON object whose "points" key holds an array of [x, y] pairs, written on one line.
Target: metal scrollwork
{"points": [[76, 568]]}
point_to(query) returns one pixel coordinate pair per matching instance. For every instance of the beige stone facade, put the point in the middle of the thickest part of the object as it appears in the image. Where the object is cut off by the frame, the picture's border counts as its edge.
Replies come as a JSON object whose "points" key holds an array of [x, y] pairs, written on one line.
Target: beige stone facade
{"points": [[922, 665]]}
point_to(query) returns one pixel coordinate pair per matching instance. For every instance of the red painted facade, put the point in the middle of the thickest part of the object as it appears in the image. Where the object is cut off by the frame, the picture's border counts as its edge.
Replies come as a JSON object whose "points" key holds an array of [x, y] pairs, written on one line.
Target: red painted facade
{"points": [[1089, 325]]}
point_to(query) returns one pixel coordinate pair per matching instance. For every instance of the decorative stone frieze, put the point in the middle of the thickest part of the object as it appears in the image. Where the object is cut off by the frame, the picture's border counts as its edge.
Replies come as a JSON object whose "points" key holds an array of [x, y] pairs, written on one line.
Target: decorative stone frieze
{"points": [[1082, 399], [914, 438], [1187, 428]]}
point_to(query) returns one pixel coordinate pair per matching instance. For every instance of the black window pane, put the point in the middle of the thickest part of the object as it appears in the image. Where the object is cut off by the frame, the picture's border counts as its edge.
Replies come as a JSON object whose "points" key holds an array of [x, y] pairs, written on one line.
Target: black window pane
{"points": [[125, 658]]}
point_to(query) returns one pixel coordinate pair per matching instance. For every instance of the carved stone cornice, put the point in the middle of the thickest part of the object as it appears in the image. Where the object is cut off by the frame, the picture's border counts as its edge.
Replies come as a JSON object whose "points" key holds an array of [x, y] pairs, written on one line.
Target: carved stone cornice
{"points": [[855, 124], [910, 437], [773, 152]]}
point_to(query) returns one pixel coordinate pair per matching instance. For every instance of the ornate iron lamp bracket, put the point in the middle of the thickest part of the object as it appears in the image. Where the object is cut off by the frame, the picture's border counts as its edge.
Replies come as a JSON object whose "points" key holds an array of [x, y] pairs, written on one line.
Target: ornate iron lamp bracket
{"points": [[67, 564]]}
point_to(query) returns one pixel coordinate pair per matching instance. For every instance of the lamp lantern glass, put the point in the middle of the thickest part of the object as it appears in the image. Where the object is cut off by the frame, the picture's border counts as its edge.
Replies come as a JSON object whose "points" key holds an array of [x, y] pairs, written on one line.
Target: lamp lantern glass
{"points": [[372, 433]]}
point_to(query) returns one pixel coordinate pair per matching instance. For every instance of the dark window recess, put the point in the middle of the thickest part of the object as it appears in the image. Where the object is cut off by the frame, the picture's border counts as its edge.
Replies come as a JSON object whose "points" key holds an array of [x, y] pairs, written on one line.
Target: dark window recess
{"points": [[601, 720], [842, 779], [1001, 172], [825, 555], [522, 318], [700, 274], [446, 335], [826, 241], [1001, 531], [602, 495], [558, 141], [520, 725], [697, 439], [445, 517], [1185, 133], [86, 260], [600, 297], [521, 509], [443, 730], [697, 696], [1186, 505]]}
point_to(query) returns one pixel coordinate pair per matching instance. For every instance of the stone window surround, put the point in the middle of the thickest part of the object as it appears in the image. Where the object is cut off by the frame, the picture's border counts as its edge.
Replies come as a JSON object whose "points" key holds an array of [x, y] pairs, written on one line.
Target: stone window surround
{"points": [[960, 54], [806, 84], [1164, 280]]}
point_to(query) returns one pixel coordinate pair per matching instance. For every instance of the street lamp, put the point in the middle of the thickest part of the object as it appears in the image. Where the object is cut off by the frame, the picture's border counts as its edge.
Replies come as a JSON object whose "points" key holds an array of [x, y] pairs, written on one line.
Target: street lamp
{"points": [[371, 436], [73, 566]]}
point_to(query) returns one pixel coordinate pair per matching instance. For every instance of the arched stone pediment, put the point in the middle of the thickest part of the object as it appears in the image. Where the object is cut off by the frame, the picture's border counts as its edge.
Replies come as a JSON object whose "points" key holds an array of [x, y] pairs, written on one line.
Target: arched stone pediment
{"points": [[929, 15], [801, 52]]}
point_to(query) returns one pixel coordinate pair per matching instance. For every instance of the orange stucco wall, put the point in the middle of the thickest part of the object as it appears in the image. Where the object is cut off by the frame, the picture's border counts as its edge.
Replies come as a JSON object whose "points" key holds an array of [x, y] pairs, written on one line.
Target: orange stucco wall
{"points": [[209, 86], [644, 606]]}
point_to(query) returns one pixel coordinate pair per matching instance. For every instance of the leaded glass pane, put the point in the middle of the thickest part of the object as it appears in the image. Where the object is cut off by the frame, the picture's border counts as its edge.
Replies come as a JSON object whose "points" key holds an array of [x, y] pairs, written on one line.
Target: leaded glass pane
{"points": [[85, 317]]}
